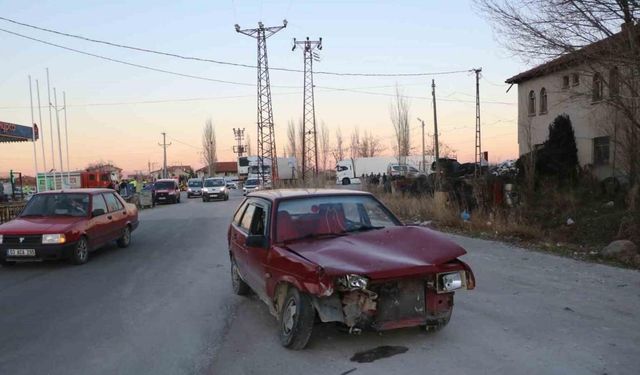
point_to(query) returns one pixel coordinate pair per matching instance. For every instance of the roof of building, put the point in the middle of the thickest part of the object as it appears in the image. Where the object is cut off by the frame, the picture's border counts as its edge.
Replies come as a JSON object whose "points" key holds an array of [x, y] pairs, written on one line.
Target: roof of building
{"points": [[277, 194], [222, 167], [571, 59]]}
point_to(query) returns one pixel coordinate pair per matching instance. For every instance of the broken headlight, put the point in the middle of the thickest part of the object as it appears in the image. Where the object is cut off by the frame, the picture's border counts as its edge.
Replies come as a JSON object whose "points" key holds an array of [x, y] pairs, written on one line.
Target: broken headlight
{"points": [[448, 282], [352, 282]]}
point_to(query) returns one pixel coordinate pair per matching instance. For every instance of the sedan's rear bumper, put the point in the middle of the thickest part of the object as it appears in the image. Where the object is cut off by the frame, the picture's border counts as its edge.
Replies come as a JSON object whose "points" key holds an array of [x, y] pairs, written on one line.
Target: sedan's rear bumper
{"points": [[43, 252]]}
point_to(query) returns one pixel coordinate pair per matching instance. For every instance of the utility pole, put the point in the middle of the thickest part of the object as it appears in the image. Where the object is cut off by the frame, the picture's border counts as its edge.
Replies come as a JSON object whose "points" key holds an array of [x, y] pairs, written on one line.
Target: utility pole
{"points": [[424, 161], [164, 145], [55, 101], [239, 137], [41, 129], [33, 134], [53, 155], [66, 134], [478, 149], [266, 133], [309, 134], [435, 126]]}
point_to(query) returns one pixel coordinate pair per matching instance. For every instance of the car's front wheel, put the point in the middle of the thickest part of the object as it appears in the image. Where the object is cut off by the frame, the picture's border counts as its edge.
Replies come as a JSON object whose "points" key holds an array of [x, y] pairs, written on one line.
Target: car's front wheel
{"points": [[125, 240], [296, 320], [80, 254], [239, 286]]}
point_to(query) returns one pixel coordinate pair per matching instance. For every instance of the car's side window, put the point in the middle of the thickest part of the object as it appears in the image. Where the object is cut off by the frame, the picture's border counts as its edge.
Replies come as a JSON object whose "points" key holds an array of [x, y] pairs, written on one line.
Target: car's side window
{"points": [[259, 222], [247, 218], [99, 203], [238, 215], [112, 202]]}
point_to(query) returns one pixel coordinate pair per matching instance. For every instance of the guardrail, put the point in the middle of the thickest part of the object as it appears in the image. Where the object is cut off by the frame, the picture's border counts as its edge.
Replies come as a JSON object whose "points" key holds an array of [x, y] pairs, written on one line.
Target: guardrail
{"points": [[10, 210]]}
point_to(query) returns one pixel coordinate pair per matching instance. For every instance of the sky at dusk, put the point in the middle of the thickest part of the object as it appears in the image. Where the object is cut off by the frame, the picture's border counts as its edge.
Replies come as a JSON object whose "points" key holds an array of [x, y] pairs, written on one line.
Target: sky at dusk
{"points": [[117, 112]]}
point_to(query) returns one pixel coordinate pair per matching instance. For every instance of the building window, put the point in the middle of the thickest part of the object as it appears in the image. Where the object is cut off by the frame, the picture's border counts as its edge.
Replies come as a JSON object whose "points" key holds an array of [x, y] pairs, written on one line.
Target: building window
{"points": [[532, 103], [565, 82], [614, 82], [601, 151], [596, 93], [543, 101], [575, 79]]}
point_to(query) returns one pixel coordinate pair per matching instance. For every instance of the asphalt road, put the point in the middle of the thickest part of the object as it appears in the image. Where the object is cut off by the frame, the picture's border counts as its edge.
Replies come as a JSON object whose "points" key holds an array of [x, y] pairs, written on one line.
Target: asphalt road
{"points": [[164, 306]]}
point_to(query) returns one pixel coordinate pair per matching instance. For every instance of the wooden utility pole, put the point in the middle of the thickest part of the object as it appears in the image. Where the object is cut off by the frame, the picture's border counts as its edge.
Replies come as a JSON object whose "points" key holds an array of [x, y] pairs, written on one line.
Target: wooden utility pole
{"points": [[164, 145], [435, 124], [424, 161]]}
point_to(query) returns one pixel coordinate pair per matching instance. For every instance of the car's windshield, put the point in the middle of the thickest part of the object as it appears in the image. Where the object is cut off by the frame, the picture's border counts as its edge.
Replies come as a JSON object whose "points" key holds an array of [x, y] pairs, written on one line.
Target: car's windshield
{"points": [[252, 182], [214, 182], [330, 215], [195, 183], [165, 185], [60, 204]]}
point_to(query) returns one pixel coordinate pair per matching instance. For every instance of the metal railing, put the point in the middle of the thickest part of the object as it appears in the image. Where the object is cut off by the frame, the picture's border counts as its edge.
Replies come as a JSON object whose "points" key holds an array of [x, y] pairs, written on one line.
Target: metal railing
{"points": [[10, 210]]}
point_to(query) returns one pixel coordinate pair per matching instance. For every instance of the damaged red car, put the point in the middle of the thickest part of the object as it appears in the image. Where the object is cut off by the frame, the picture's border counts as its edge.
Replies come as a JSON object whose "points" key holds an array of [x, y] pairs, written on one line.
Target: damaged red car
{"points": [[341, 256]]}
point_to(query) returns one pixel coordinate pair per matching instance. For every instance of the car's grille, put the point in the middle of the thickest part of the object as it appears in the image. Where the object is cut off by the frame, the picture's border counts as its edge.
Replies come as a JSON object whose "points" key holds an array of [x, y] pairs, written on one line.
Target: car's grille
{"points": [[402, 299], [32, 239]]}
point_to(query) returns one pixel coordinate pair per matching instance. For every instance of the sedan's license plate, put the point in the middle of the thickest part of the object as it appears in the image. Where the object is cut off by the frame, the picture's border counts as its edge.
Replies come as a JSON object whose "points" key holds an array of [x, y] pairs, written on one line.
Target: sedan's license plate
{"points": [[162, 197], [21, 252]]}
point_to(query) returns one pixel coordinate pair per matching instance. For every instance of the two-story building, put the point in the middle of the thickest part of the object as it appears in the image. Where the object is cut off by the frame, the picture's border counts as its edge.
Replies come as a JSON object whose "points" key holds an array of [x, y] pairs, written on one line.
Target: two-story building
{"points": [[585, 87]]}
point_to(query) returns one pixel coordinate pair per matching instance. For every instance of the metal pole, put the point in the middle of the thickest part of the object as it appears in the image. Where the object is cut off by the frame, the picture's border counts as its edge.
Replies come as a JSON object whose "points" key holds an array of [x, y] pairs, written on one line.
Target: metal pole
{"points": [[53, 157], [66, 134], [424, 161], [44, 159], [55, 102], [435, 124], [33, 133]]}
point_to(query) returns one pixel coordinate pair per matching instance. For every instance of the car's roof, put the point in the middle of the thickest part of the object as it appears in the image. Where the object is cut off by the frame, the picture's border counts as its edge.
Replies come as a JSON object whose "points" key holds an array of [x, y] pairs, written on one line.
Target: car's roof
{"points": [[278, 194], [79, 191], [166, 179], [214, 178]]}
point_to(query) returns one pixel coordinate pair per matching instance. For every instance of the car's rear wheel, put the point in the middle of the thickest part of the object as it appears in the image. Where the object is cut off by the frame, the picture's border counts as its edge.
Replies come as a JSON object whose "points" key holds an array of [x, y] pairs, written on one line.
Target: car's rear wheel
{"points": [[80, 254], [296, 320], [346, 181], [125, 240], [239, 286]]}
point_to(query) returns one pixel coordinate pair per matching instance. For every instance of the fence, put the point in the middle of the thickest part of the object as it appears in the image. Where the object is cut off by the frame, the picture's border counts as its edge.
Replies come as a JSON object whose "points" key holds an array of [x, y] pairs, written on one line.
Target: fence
{"points": [[9, 210]]}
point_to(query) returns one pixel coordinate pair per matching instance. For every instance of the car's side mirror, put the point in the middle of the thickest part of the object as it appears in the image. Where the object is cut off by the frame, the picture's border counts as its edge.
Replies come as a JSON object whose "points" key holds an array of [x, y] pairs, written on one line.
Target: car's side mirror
{"points": [[257, 240], [97, 212]]}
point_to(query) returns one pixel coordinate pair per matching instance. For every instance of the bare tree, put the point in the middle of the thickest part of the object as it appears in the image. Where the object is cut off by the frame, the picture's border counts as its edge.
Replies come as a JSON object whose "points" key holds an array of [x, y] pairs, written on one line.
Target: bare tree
{"points": [[370, 145], [324, 144], [399, 111], [209, 146], [354, 147], [292, 148], [339, 151], [576, 31], [248, 144]]}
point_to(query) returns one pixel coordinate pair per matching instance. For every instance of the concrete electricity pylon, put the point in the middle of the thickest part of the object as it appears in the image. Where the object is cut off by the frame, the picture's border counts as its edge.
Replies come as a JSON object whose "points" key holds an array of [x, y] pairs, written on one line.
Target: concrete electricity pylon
{"points": [[309, 135], [164, 146], [478, 150], [266, 133]]}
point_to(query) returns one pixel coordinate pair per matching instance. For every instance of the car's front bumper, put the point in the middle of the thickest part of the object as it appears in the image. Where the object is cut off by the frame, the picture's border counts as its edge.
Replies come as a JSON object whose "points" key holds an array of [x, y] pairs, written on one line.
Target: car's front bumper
{"points": [[194, 193], [43, 252]]}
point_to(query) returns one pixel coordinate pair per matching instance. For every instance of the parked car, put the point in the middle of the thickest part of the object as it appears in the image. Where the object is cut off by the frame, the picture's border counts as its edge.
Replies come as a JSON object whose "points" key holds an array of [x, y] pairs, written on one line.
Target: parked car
{"points": [[167, 191], [215, 188], [67, 224], [251, 184], [194, 187], [231, 184], [395, 170], [341, 256]]}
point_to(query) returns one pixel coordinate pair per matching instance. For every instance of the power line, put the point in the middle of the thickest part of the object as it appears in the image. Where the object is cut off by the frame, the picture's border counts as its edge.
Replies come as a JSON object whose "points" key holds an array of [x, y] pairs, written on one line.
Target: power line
{"points": [[133, 64], [228, 63]]}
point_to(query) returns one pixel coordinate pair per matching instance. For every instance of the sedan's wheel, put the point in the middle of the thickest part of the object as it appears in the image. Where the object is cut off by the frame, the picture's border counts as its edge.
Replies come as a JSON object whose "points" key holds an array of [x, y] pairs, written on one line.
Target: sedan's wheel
{"points": [[296, 320], [239, 286], [80, 253], [125, 240]]}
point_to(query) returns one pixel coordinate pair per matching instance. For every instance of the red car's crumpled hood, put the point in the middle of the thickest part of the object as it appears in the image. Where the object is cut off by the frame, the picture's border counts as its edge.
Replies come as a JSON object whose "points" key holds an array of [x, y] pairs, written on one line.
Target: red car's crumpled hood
{"points": [[40, 225], [381, 254]]}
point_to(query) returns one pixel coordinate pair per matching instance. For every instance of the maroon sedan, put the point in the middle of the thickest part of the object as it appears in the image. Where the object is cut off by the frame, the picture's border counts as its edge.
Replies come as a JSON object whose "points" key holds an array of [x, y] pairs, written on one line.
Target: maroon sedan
{"points": [[67, 225], [341, 256]]}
